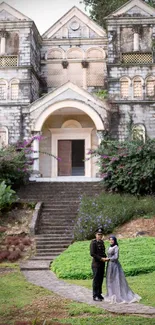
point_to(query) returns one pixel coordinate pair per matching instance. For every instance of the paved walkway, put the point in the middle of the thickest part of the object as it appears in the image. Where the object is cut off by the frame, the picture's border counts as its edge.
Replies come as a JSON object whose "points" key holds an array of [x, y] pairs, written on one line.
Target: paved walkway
{"points": [[48, 280]]}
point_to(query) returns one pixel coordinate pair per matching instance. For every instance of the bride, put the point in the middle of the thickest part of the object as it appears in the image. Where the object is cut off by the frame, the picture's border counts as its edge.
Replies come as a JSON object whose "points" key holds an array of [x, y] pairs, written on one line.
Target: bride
{"points": [[118, 290]]}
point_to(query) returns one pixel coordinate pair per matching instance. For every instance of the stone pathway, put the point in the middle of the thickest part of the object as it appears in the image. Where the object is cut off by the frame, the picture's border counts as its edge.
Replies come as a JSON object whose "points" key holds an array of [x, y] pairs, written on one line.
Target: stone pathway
{"points": [[47, 279]]}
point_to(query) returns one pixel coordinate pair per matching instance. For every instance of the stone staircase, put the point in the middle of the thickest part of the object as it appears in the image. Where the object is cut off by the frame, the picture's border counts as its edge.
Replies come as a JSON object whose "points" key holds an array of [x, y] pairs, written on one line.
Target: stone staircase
{"points": [[60, 208]]}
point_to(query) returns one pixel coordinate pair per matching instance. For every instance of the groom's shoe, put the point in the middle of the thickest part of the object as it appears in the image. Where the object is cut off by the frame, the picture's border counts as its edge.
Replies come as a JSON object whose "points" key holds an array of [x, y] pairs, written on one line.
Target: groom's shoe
{"points": [[97, 299], [101, 297]]}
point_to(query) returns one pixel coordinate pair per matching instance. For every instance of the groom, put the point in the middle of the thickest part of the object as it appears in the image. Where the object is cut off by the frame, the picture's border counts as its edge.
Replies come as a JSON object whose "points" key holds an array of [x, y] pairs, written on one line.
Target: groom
{"points": [[97, 251]]}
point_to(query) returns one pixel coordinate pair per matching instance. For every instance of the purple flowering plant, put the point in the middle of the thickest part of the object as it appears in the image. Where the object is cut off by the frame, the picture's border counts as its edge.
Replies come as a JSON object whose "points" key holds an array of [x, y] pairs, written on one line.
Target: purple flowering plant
{"points": [[127, 166], [109, 210], [16, 161]]}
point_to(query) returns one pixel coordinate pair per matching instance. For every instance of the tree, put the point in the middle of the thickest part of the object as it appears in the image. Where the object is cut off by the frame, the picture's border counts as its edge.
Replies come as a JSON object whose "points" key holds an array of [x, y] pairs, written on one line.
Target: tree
{"points": [[99, 9]]}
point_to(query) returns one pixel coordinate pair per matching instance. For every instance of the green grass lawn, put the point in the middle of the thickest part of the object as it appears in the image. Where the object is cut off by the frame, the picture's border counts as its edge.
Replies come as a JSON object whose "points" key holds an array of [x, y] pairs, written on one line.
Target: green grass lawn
{"points": [[137, 255], [15, 291], [20, 300]]}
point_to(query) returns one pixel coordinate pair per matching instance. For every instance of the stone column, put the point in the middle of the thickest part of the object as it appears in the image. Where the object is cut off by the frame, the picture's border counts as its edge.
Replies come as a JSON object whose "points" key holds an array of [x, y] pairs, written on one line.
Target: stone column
{"points": [[136, 31], [3, 35], [85, 65], [100, 135], [136, 42], [36, 156]]}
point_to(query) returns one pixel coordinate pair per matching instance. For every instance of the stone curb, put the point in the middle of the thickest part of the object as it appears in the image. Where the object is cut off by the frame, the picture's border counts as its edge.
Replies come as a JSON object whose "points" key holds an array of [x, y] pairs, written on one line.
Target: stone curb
{"points": [[35, 218]]}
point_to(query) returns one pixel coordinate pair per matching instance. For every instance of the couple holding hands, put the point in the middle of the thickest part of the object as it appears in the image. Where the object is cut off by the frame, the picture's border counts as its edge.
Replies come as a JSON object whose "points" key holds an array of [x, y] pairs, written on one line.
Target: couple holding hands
{"points": [[117, 287]]}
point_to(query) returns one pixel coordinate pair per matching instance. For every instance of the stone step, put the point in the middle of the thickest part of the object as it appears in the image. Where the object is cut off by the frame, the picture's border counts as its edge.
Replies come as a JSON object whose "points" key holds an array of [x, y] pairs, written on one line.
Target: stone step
{"points": [[35, 265], [52, 237], [48, 253], [49, 222], [57, 229], [53, 250], [59, 211], [49, 258], [59, 219], [51, 246]]}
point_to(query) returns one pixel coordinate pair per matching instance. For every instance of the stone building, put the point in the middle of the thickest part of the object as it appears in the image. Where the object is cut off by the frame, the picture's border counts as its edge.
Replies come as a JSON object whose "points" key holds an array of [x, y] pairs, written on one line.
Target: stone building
{"points": [[54, 84]]}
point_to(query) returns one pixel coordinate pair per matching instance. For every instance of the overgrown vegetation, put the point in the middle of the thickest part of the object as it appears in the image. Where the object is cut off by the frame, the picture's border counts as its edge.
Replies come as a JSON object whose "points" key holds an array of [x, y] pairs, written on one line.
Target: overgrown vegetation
{"points": [[110, 211], [15, 164], [7, 196], [127, 166], [136, 256]]}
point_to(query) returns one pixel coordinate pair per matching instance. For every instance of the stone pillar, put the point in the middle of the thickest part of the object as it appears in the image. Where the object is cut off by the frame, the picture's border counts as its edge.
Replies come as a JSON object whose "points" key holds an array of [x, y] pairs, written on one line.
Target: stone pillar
{"points": [[36, 155], [84, 78], [3, 35], [136, 42], [100, 135], [136, 31], [36, 172], [85, 65]]}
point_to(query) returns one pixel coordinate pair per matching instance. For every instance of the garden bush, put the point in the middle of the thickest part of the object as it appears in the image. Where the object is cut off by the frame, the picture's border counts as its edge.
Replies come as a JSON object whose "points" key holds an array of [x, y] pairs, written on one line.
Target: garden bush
{"points": [[127, 166], [137, 255], [15, 165], [7, 196], [16, 162], [109, 211]]}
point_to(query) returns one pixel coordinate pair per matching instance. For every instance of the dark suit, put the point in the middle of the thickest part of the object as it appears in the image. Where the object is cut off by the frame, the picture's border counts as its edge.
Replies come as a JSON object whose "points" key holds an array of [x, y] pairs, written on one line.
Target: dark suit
{"points": [[97, 251]]}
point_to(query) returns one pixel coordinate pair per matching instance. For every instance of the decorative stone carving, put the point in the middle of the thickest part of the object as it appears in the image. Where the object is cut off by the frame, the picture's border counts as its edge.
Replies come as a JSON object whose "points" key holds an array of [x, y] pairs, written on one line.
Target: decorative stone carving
{"points": [[65, 64], [85, 64], [74, 25]]}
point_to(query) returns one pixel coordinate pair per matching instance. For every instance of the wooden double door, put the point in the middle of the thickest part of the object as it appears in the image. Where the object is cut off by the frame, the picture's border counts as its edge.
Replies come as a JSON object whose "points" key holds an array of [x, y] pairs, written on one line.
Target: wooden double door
{"points": [[71, 153]]}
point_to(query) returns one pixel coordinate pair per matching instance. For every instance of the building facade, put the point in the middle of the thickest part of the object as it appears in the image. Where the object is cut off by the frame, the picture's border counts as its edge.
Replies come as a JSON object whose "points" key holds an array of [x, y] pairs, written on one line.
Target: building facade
{"points": [[54, 85]]}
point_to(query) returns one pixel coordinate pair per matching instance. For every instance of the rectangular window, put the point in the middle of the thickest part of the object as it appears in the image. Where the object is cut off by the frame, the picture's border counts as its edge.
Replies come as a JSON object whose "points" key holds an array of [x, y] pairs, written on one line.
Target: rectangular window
{"points": [[137, 89], [3, 91], [14, 91], [124, 89], [150, 88]]}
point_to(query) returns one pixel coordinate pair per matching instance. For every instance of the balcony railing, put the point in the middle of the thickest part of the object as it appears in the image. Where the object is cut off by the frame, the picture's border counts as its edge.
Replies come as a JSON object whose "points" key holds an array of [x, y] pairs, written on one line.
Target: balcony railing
{"points": [[136, 58], [8, 61]]}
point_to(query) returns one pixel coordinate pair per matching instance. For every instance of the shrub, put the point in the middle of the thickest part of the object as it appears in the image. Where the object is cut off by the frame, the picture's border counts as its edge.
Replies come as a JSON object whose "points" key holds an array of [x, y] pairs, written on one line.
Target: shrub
{"points": [[109, 211], [16, 162], [7, 196], [15, 165], [127, 166], [14, 256]]}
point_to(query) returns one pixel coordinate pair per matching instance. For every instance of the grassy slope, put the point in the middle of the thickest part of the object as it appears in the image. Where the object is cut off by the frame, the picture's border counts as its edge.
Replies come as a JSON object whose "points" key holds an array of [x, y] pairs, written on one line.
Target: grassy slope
{"points": [[137, 255]]}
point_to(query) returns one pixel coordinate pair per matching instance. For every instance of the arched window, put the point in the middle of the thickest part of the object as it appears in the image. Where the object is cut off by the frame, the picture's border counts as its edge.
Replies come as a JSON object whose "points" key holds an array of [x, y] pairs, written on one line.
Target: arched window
{"points": [[138, 132], [71, 124], [55, 53], [95, 53], [3, 89], [137, 88], [14, 88], [150, 86], [75, 53], [124, 87]]}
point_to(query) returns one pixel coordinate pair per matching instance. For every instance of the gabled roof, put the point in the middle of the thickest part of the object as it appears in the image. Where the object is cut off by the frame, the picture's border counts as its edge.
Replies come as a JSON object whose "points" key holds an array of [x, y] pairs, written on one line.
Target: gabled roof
{"points": [[61, 90], [74, 12], [143, 6], [12, 12]]}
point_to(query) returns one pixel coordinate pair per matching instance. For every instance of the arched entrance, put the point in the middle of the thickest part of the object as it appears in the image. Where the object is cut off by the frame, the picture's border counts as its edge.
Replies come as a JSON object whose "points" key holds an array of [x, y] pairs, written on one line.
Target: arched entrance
{"points": [[69, 130]]}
